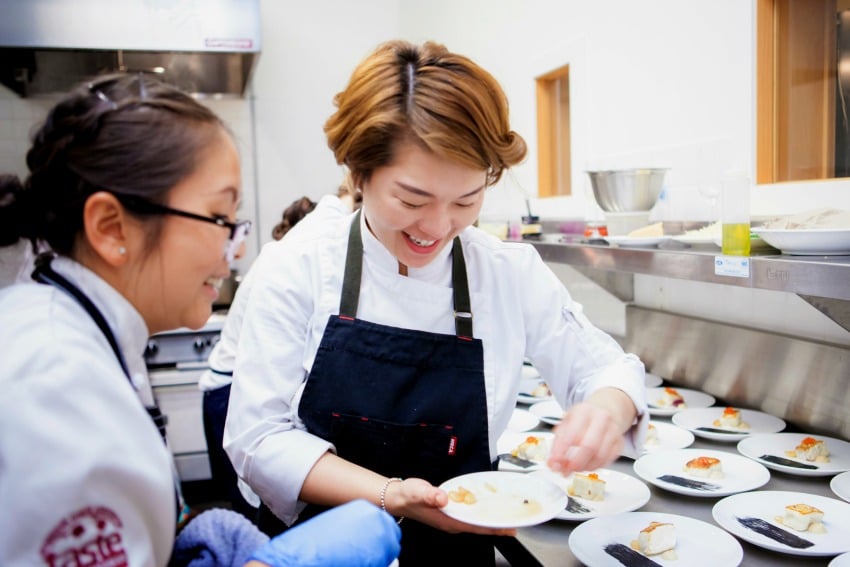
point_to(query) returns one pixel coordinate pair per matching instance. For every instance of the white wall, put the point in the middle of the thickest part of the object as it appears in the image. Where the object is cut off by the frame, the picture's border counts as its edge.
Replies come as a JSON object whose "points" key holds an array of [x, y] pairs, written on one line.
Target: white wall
{"points": [[309, 51]]}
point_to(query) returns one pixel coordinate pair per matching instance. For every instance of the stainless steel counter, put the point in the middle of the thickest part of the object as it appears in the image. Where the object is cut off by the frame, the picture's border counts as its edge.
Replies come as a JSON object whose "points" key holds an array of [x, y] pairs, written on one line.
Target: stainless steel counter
{"points": [[548, 542], [822, 276]]}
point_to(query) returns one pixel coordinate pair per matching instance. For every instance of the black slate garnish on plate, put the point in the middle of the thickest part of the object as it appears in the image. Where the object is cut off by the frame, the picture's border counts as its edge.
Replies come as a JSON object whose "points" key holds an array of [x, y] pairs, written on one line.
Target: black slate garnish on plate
{"points": [[574, 507], [628, 556], [518, 461], [786, 462], [688, 483], [717, 430], [777, 534]]}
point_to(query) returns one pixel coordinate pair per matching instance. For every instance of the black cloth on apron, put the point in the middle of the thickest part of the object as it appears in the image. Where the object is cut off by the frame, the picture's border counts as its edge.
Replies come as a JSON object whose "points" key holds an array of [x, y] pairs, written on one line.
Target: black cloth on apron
{"points": [[404, 403]]}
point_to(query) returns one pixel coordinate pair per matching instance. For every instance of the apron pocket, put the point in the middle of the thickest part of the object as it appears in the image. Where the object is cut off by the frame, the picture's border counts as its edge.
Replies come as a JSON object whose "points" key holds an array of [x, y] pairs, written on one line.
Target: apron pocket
{"points": [[427, 451]]}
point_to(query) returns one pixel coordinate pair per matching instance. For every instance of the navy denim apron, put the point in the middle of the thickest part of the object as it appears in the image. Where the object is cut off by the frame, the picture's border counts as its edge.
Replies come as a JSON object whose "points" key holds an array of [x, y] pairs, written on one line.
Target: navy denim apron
{"points": [[404, 403]]}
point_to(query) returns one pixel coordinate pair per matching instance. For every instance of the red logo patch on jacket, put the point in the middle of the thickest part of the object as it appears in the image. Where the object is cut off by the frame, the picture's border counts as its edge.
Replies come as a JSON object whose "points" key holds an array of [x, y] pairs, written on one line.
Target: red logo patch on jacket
{"points": [[90, 537]]}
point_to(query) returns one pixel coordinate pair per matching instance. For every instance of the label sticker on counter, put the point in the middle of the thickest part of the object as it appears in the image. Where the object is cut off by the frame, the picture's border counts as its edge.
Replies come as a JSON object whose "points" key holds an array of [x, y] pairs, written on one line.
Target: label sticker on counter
{"points": [[734, 266]]}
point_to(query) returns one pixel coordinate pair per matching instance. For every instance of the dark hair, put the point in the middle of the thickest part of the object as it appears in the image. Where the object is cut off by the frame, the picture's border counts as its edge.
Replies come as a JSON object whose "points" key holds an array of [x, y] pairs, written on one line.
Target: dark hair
{"points": [[128, 134], [439, 99], [297, 210]]}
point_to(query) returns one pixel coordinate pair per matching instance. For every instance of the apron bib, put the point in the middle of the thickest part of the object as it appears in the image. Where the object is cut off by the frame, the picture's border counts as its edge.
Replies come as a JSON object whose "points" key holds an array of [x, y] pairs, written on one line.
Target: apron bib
{"points": [[404, 403]]}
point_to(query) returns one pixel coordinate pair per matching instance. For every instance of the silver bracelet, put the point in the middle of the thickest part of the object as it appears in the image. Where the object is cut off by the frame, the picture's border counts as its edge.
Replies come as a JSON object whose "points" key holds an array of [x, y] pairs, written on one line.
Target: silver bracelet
{"points": [[384, 495]]}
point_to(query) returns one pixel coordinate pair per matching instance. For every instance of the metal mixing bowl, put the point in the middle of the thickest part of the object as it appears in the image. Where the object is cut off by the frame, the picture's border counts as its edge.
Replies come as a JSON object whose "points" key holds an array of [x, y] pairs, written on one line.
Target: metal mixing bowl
{"points": [[627, 190]]}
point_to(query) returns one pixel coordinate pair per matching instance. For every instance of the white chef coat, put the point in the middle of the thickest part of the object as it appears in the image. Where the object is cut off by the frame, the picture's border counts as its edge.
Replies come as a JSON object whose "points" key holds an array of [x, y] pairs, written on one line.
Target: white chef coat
{"points": [[222, 359], [520, 309], [80, 457], [16, 262], [223, 355]]}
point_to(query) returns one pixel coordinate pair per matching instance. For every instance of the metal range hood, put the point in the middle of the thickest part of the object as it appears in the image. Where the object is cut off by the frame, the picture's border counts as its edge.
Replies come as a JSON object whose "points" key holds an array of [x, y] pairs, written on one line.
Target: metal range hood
{"points": [[208, 48]]}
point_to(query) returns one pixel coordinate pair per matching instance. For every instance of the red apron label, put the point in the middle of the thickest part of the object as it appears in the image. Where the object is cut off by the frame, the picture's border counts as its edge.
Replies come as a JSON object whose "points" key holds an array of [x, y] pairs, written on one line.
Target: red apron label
{"points": [[90, 538], [453, 445]]}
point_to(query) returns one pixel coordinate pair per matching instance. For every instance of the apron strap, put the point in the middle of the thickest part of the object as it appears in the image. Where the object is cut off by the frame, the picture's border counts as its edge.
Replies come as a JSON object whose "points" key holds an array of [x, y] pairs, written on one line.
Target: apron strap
{"points": [[350, 296], [44, 273], [460, 289]]}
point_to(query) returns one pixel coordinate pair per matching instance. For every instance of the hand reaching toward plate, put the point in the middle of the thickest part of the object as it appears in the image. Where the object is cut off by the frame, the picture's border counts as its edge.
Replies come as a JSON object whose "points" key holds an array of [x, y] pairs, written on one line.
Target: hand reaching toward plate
{"points": [[588, 437]]}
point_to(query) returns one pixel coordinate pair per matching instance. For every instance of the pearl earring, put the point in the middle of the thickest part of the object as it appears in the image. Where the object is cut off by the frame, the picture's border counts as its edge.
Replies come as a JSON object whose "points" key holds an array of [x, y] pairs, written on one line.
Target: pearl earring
{"points": [[122, 250]]}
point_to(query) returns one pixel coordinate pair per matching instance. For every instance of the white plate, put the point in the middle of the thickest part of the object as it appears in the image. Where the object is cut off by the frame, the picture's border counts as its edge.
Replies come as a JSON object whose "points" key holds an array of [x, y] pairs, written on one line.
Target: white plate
{"points": [[526, 387], [529, 372], [693, 399], [698, 544], [623, 493], [768, 504], [777, 443], [693, 419], [842, 560], [807, 242], [636, 241], [522, 420], [840, 485], [669, 437], [549, 412], [652, 380], [511, 439], [505, 499], [739, 473]]}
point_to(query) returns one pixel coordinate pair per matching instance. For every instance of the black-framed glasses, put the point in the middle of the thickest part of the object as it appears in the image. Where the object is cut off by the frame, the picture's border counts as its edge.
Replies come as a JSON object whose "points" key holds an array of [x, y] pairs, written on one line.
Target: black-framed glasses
{"points": [[238, 230]]}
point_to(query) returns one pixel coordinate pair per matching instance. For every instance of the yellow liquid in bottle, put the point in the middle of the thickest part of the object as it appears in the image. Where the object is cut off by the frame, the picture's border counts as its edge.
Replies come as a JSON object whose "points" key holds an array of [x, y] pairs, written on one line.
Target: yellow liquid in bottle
{"points": [[736, 239]]}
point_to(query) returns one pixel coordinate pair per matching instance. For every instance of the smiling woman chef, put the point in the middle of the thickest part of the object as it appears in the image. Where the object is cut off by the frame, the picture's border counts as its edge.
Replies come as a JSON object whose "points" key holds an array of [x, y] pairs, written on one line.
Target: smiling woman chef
{"points": [[398, 353], [134, 187]]}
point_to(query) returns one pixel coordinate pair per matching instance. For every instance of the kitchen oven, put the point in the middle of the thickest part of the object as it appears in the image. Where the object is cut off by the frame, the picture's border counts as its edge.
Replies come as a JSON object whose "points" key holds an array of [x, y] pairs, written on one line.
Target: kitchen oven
{"points": [[175, 360]]}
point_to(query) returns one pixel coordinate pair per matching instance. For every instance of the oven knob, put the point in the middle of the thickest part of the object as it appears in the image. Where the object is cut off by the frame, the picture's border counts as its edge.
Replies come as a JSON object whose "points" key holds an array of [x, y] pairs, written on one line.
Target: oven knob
{"points": [[151, 349], [199, 344]]}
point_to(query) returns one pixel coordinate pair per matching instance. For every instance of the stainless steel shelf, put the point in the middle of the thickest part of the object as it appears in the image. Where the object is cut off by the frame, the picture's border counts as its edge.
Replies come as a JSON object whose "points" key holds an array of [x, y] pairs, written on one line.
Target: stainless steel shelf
{"points": [[819, 276]]}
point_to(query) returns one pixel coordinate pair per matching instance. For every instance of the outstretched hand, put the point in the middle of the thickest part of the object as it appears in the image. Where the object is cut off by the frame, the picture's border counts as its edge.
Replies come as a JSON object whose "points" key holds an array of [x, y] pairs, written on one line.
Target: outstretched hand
{"points": [[417, 499], [588, 437]]}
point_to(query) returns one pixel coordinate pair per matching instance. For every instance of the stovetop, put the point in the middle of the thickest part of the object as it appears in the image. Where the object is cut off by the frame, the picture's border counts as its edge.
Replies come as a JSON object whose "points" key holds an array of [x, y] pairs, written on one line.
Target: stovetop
{"points": [[171, 348]]}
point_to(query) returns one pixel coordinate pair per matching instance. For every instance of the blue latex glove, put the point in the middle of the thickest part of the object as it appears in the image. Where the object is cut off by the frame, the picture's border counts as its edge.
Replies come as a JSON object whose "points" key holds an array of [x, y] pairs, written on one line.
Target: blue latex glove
{"points": [[351, 535]]}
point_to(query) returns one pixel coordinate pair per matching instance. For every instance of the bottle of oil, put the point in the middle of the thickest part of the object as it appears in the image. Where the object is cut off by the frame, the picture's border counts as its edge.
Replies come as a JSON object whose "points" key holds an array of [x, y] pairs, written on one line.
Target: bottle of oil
{"points": [[735, 214]]}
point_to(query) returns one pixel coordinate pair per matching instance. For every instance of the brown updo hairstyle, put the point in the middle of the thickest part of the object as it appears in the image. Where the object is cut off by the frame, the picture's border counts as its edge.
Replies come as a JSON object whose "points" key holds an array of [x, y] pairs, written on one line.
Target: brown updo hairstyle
{"points": [[439, 99], [296, 211], [128, 134]]}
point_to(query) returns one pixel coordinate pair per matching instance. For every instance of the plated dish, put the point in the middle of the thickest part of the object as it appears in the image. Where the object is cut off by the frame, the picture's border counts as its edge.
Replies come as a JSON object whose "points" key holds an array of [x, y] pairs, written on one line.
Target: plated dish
{"points": [[621, 493], [636, 241], [652, 380], [721, 424], [840, 485], [548, 412], [524, 451], [761, 518], [532, 391], [701, 472], [777, 451], [698, 544], [522, 420], [666, 436], [497, 499], [663, 401], [807, 242]]}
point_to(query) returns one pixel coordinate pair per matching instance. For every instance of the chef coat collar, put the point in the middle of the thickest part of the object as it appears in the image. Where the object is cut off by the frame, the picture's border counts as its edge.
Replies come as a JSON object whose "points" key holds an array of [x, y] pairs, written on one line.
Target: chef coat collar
{"points": [[126, 323], [376, 252]]}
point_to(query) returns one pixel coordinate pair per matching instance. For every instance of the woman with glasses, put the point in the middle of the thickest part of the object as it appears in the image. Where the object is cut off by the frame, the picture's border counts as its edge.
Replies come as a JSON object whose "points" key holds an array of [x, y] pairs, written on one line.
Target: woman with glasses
{"points": [[394, 363], [133, 187]]}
